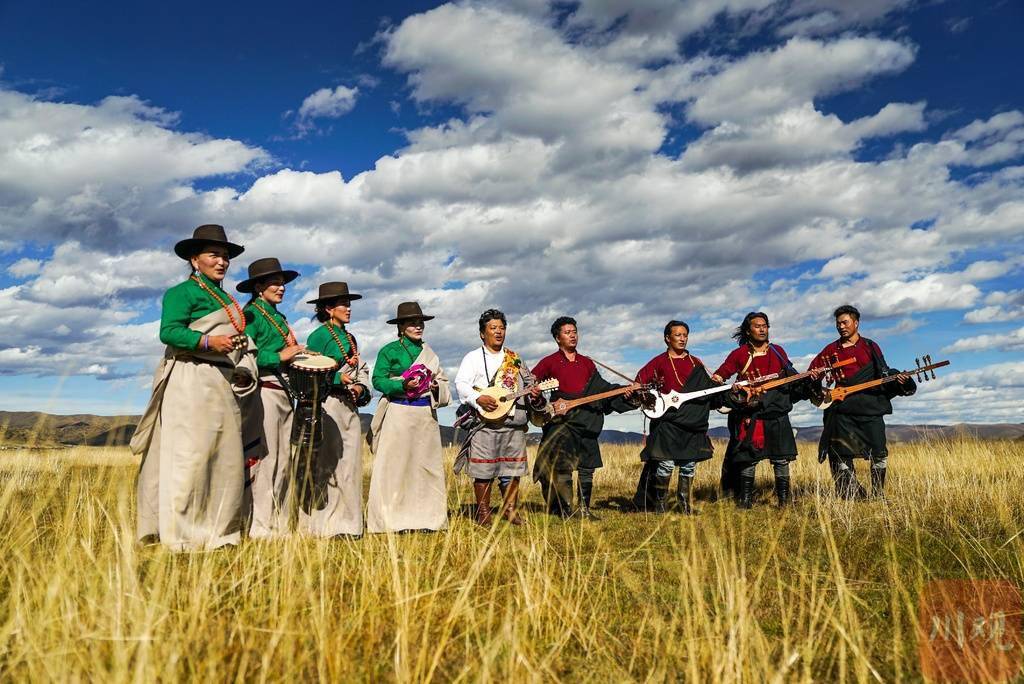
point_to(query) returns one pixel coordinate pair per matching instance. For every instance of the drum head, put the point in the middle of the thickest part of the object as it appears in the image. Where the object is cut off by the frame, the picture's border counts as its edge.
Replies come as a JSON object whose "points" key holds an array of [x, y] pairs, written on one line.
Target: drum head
{"points": [[314, 363]]}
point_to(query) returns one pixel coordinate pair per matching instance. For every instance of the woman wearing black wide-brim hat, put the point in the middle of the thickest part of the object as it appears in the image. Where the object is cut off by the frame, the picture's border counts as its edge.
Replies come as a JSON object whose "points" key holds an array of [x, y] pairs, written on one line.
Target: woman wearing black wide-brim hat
{"points": [[268, 415], [339, 470], [407, 489], [191, 481]]}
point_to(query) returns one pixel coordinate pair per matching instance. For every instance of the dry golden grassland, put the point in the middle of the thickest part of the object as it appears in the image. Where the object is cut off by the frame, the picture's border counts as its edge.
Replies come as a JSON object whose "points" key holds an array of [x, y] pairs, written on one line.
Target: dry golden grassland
{"points": [[824, 591]]}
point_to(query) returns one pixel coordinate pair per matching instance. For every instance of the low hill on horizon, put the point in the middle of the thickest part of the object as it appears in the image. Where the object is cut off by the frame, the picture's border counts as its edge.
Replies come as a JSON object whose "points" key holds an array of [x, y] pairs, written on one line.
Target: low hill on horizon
{"points": [[33, 428]]}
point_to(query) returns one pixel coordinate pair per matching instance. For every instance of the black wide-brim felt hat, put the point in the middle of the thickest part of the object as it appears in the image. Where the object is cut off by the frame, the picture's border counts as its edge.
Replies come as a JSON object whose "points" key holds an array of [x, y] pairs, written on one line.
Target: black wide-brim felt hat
{"points": [[335, 290], [408, 311], [264, 268], [207, 234]]}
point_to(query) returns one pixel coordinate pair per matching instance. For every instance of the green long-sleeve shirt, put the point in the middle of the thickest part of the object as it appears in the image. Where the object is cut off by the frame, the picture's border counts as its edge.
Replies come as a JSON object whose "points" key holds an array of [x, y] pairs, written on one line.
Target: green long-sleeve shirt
{"points": [[184, 303], [322, 342], [394, 359], [268, 339]]}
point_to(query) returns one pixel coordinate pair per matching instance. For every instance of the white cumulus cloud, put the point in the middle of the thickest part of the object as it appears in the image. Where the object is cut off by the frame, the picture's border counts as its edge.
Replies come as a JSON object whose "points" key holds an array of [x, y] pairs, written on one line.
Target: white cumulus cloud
{"points": [[328, 103]]}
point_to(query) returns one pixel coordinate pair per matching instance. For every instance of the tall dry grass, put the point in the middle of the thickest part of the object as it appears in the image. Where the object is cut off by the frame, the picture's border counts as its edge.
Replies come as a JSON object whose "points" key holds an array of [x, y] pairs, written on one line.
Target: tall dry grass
{"points": [[824, 591]]}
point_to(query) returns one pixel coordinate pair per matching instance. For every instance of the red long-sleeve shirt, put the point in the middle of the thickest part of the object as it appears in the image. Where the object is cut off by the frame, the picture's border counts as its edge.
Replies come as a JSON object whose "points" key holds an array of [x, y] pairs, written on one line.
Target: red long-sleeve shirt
{"points": [[572, 376], [860, 352], [671, 372], [761, 364]]}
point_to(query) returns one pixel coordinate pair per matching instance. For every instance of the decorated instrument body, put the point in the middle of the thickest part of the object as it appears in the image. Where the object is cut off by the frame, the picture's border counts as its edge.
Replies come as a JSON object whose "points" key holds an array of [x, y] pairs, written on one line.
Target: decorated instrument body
{"points": [[670, 400], [422, 377], [507, 398]]}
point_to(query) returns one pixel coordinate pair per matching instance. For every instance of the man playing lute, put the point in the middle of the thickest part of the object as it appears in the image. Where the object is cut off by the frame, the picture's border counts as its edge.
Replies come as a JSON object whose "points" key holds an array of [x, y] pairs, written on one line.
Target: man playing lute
{"points": [[496, 449], [570, 443], [854, 428]]}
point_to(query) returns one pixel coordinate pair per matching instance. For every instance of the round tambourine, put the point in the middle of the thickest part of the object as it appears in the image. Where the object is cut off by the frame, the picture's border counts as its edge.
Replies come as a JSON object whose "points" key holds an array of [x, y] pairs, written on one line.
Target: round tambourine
{"points": [[423, 377]]}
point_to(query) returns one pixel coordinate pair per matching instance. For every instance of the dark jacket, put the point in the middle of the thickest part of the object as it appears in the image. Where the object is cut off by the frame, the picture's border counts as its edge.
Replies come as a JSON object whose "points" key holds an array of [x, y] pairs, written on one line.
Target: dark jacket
{"points": [[854, 426], [570, 441], [772, 410], [682, 433]]}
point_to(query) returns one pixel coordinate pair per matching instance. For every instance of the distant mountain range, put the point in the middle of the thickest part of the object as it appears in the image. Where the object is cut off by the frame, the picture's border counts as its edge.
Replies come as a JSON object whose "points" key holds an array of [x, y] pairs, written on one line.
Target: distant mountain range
{"points": [[19, 428]]}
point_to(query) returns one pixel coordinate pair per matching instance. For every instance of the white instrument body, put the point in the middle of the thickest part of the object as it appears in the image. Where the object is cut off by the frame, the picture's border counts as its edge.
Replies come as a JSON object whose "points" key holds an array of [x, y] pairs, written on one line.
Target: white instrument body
{"points": [[507, 398], [673, 399]]}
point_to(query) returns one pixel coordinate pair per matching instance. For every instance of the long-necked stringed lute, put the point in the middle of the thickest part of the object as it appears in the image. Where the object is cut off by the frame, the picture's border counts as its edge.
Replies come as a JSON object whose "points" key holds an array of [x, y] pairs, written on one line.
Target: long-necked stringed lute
{"points": [[507, 398], [765, 384], [670, 400], [839, 393], [563, 406]]}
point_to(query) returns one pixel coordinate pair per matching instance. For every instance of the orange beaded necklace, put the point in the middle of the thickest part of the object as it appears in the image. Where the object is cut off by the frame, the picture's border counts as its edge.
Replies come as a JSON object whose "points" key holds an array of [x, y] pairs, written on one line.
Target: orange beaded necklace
{"points": [[675, 372], [289, 337], [238, 326], [350, 360]]}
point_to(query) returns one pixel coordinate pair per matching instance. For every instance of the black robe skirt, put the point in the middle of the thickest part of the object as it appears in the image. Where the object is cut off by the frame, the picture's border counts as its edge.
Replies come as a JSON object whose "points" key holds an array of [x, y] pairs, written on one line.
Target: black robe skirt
{"points": [[682, 433], [854, 427], [570, 442]]}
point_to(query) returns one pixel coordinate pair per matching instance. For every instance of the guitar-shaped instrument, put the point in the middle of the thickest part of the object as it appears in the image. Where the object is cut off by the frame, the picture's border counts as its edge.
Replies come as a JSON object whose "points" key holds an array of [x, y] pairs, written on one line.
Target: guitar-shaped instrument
{"points": [[507, 398], [673, 399], [835, 394], [563, 406], [828, 372]]}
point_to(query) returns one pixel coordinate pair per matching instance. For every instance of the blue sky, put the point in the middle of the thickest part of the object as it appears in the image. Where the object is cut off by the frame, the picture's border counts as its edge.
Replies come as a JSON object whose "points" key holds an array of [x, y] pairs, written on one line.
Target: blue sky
{"points": [[624, 162]]}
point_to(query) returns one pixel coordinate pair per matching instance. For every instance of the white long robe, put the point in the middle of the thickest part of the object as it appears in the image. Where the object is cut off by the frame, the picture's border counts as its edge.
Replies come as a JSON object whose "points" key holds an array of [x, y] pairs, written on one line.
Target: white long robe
{"points": [[337, 505], [271, 475], [407, 488], [191, 478]]}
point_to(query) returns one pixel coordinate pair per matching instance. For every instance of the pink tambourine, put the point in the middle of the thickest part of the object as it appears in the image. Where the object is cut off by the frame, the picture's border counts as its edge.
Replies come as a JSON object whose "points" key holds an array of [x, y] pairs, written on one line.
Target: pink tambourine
{"points": [[423, 378]]}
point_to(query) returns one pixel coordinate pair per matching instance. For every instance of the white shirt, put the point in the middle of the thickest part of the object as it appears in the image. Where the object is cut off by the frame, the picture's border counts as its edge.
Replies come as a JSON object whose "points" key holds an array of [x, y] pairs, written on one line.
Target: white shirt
{"points": [[472, 374]]}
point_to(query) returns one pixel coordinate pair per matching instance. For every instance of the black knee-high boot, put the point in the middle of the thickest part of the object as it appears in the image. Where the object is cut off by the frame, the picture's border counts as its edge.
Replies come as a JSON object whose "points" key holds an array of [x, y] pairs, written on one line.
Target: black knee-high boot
{"points": [[643, 499], [661, 484], [878, 482], [684, 493], [563, 494], [847, 486], [730, 479], [586, 491], [746, 492], [782, 491], [557, 489]]}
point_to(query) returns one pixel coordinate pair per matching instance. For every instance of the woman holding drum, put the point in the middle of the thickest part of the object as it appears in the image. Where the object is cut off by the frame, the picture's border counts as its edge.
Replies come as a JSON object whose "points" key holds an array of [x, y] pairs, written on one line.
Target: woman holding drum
{"points": [[191, 479], [335, 507], [407, 490], [268, 459]]}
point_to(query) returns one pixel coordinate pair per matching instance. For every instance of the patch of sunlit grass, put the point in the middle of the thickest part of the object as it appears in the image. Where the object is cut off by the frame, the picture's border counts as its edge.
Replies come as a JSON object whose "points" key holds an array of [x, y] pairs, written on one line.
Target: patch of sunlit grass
{"points": [[825, 590]]}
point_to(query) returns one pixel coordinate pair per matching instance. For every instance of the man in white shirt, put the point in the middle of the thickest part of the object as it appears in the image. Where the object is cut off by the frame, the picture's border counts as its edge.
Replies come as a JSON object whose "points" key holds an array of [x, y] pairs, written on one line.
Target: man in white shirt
{"points": [[496, 449]]}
